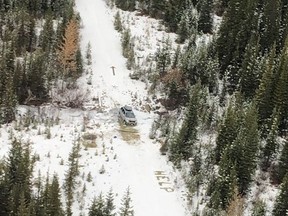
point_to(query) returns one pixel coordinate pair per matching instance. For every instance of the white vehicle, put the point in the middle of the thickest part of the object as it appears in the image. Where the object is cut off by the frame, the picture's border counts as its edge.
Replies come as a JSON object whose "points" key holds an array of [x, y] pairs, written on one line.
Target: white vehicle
{"points": [[127, 115]]}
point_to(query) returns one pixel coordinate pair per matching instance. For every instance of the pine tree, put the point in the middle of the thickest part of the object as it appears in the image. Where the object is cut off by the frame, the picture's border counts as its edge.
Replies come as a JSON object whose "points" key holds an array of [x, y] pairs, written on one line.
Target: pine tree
{"points": [[97, 207], [54, 205], [281, 203], [245, 149], [227, 131], [283, 162], [128, 5], [23, 206], [18, 177], [205, 21], [281, 91], [163, 57], [259, 209], [126, 42], [271, 144], [47, 36], [36, 77], [70, 176], [269, 24], [117, 22], [109, 205], [249, 72], [182, 145], [126, 204], [264, 95], [226, 183]]}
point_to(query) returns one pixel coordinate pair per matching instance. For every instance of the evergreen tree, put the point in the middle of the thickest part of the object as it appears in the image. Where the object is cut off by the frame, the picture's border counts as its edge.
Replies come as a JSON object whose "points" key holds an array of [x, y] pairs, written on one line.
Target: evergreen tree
{"points": [[228, 131], [264, 95], [18, 177], [281, 91], [205, 21], [97, 207], [128, 5], [109, 205], [36, 76], [79, 64], [249, 72], [163, 57], [117, 22], [182, 145], [23, 207], [245, 149], [283, 162], [54, 205], [47, 36], [226, 183], [271, 144], [126, 204], [269, 24], [126, 42], [70, 176], [281, 203], [259, 209]]}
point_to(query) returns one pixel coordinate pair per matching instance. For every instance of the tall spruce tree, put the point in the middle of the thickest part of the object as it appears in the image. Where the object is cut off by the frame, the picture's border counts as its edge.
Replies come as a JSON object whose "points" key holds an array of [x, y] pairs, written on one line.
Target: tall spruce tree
{"points": [[109, 205], [270, 24], [126, 208], [225, 183], [283, 162], [281, 91], [205, 22], [228, 131], [271, 144], [249, 72], [97, 206], [281, 203], [245, 149], [264, 94], [181, 147]]}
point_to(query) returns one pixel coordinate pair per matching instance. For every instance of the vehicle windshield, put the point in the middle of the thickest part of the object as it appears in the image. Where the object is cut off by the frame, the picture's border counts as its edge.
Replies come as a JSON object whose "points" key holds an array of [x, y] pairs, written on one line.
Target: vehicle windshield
{"points": [[130, 115]]}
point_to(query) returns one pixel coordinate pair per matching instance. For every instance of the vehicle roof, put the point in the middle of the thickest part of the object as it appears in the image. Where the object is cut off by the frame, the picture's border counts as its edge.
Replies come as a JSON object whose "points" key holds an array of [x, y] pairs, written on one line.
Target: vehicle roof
{"points": [[128, 108]]}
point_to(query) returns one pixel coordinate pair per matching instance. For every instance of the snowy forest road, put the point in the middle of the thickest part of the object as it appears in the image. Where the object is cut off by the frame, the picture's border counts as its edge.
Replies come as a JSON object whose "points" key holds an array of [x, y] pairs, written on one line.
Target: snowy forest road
{"points": [[151, 178]]}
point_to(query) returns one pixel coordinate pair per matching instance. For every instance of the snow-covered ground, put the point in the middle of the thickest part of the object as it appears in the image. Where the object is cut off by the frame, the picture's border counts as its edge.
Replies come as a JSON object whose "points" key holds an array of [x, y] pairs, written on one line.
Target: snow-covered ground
{"points": [[129, 157]]}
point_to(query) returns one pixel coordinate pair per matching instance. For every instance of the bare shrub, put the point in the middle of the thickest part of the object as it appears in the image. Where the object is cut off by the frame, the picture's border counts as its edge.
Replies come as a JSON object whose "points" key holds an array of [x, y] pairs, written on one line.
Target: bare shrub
{"points": [[69, 97]]}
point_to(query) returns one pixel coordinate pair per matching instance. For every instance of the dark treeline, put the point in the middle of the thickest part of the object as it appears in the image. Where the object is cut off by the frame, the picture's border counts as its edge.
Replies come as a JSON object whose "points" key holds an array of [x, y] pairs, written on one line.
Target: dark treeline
{"points": [[32, 40], [235, 86]]}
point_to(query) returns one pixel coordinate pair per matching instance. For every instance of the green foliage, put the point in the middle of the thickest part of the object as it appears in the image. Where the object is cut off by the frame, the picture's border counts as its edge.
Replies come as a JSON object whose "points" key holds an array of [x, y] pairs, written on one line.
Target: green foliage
{"points": [[228, 130], [163, 57], [97, 207], [70, 176], [205, 20], [101, 206], [259, 209], [246, 147], [281, 203], [128, 5], [181, 147], [225, 183], [283, 162], [271, 145], [126, 208], [117, 22]]}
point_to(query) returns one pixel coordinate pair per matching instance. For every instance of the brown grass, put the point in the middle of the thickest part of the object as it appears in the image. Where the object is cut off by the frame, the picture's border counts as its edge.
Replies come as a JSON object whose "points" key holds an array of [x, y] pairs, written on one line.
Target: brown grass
{"points": [[129, 133]]}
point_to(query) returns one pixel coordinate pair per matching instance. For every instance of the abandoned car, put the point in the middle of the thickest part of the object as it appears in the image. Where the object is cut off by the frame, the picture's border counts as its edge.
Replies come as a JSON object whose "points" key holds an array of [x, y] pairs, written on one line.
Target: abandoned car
{"points": [[127, 115]]}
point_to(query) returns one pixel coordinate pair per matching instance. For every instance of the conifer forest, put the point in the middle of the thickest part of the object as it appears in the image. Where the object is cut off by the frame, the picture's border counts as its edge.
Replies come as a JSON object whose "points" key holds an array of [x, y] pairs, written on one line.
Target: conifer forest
{"points": [[232, 88]]}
